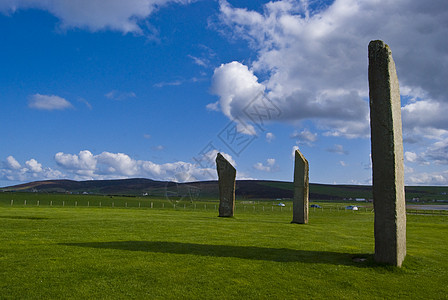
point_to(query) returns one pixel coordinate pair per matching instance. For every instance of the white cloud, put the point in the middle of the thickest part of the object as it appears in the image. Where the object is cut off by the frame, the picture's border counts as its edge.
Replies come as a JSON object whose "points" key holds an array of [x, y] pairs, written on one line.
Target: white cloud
{"points": [[158, 148], [86, 103], [34, 166], [270, 166], [433, 178], [170, 83], [342, 163], [120, 96], [213, 106], [199, 61], [107, 165], [410, 156], [304, 137], [236, 86], [48, 102], [12, 170], [12, 163], [270, 137], [94, 15], [339, 149], [314, 62], [83, 161], [437, 154]]}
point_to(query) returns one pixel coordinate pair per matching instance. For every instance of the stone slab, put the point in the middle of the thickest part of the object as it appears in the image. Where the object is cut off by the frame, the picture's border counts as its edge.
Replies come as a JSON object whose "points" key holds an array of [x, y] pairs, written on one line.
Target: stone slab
{"points": [[301, 189], [387, 156], [226, 180]]}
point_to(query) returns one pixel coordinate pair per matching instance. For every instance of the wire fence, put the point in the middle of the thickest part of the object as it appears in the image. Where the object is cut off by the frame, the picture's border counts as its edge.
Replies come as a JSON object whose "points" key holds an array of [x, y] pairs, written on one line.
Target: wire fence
{"points": [[240, 206], [255, 206]]}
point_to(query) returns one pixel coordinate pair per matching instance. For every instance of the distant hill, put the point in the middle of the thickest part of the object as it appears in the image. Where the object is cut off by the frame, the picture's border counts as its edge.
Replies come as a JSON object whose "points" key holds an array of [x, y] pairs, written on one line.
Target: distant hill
{"points": [[245, 189]]}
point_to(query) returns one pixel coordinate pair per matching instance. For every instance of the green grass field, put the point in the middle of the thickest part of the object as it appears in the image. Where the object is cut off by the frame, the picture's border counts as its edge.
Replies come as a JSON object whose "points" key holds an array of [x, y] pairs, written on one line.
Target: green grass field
{"points": [[79, 252]]}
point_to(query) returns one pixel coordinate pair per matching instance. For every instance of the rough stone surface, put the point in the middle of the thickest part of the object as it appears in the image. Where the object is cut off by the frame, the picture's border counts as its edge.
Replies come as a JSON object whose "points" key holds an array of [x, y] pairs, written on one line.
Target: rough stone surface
{"points": [[226, 176], [387, 156], [301, 189]]}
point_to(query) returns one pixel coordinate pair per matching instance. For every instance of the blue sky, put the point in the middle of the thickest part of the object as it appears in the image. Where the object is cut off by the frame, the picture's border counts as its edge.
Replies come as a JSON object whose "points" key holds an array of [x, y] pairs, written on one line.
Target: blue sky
{"points": [[97, 89]]}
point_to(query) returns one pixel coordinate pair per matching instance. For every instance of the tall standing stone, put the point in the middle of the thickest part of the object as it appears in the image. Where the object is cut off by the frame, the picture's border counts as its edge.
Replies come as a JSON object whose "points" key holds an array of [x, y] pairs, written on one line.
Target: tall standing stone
{"points": [[387, 156], [301, 189], [226, 176]]}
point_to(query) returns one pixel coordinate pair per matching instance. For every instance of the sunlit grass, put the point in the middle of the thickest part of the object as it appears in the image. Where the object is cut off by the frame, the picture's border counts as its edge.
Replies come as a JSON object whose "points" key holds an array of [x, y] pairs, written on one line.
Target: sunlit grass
{"points": [[104, 252]]}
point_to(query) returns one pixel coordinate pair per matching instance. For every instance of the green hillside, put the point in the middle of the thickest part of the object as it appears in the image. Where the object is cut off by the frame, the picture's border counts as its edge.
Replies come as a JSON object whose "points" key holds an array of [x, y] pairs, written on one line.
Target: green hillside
{"points": [[245, 189]]}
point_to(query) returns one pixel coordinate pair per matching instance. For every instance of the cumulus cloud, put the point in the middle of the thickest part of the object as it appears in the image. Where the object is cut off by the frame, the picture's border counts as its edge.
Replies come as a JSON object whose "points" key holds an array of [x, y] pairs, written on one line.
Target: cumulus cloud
{"points": [[94, 15], [107, 165], [270, 137], [12, 170], [434, 178], [12, 163], [269, 166], [48, 102], [314, 61], [236, 87], [34, 166], [304, 137]]}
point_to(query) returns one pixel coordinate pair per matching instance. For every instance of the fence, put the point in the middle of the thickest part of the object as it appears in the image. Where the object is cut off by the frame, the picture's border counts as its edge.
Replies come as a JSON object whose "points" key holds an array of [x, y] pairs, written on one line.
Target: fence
{"points": [[255, 206], [241, 206]]}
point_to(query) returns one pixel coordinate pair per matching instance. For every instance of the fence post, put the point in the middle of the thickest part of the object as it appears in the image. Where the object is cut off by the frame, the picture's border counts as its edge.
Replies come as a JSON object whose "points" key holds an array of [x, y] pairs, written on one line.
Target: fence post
{"points": [[24, 202], [37, 203], [151, 204], [12, 202], [51, 203]]}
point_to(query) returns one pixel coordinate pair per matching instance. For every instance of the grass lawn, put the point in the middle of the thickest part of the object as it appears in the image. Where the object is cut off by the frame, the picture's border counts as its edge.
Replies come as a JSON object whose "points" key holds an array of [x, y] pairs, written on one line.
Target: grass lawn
{"points": [[104, 252]]}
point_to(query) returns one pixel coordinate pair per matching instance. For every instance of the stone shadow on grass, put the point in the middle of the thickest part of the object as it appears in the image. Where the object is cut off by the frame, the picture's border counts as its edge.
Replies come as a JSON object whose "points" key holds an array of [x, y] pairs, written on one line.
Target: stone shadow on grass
{"points": [[243, 252]]}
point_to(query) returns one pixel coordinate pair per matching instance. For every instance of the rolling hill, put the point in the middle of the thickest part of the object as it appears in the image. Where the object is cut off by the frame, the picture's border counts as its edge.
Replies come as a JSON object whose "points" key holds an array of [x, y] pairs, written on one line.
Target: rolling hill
{"points": [[245, 189]]}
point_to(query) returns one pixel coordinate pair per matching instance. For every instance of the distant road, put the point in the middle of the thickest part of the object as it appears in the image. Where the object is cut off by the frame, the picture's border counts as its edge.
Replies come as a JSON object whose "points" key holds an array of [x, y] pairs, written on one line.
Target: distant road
{"points": [[428, 207]]}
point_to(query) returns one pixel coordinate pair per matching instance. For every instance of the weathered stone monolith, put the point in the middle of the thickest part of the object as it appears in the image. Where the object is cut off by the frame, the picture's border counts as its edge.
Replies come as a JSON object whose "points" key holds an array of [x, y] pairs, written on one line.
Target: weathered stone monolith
{"points": [[226, 177], [387, 156], [301, 189]]}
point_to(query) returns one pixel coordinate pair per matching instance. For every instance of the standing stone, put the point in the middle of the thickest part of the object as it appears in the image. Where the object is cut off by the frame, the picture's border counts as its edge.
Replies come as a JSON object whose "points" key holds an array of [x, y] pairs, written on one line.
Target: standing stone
{"points": [[301, 189], [226, 176], [387, 156]]}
